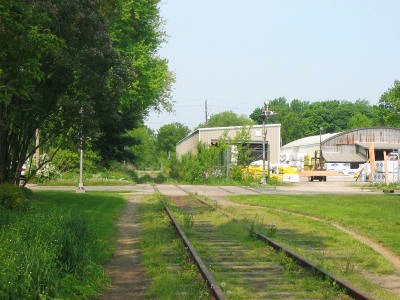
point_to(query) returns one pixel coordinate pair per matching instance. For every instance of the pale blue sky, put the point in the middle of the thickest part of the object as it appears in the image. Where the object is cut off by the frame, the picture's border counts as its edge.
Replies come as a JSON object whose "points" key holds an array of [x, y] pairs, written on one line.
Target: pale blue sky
{"points": [[237, 53]]}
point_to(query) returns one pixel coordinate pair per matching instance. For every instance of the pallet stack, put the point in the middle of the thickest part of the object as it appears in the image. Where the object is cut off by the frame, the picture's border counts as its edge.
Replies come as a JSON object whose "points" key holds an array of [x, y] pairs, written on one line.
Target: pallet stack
{"points": [[391, 173]]}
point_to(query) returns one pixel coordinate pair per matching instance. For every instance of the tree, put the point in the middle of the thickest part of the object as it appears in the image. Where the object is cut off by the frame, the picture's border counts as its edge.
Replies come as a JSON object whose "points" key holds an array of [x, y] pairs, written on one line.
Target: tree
{"points": [[359, 120], [389, 104], [170, 134], [227, 118], [136, 35], [140, 144], [77, 68]]}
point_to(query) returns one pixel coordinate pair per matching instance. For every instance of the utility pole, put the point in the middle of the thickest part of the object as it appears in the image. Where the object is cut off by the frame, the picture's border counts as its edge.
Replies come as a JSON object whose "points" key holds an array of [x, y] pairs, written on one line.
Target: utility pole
{"points": [[206, 112]]}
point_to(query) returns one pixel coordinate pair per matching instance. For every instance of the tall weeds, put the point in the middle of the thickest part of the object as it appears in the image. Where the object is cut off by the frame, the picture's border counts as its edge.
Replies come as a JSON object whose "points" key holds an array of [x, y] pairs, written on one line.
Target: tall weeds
{"points": [[48, 254]]}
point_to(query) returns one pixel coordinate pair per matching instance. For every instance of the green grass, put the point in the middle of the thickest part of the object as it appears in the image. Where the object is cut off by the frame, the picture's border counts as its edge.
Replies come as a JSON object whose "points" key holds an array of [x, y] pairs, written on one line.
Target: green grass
{"points": [[374, 216], [165, 257], [87, 182], [56, 247]]}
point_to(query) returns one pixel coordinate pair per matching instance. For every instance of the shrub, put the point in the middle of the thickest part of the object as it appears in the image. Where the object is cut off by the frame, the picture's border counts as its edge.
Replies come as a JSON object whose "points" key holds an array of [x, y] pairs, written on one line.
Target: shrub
{"points": [[67, 160], [145, 179], [48, 170], [161, 178], [11, 196]]}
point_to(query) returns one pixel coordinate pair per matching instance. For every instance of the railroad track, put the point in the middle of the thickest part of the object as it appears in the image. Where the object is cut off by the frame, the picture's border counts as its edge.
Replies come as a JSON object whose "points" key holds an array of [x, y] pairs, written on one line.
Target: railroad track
{"points": [[245, 273]]}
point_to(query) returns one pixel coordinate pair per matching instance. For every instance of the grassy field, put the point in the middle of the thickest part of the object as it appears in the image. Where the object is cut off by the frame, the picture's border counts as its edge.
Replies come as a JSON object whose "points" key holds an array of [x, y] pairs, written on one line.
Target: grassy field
{"points": [[321, 242], [55, 248], [374, 216], [165, 257]]}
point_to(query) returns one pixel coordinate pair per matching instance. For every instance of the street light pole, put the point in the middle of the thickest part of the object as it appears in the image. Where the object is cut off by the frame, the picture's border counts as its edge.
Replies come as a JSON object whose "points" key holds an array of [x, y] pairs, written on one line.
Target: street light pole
{"points": [[265, 115], [263, 178], [80, 188]]}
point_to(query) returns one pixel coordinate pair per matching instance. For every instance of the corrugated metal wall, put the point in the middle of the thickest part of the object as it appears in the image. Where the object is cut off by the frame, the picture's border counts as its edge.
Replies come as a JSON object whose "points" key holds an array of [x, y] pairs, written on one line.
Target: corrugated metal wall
{"points": [[366, 135]]}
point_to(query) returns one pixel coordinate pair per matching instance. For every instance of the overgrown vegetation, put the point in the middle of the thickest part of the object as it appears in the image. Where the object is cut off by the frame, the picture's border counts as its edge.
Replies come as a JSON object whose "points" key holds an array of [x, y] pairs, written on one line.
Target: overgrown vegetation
{"points": [[165, 257], [12, 196], [56, 247], [253, 252]]}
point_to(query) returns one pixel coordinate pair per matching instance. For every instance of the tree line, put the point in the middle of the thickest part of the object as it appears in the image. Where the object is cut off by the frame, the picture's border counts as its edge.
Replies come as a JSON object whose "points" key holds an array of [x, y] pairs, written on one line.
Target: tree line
{"points": [[302, 118]]}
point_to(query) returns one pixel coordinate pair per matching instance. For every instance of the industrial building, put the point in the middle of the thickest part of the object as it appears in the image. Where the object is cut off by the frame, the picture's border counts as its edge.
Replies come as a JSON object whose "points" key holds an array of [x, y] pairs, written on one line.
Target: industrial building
{"points": [[350, 147], [210, 136], [294, 152]]}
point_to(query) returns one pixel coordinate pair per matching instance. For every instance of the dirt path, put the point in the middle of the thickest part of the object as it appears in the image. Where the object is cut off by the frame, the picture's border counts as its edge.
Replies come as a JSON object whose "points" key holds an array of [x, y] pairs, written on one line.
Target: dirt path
{"points": [[128, 280]]}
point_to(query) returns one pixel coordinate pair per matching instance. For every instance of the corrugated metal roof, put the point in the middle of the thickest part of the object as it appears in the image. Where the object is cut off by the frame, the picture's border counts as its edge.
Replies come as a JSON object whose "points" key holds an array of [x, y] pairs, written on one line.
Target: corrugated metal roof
{"points": [[199, 130], [380, 146], [237, 127], [309, 140], [343, 157]]}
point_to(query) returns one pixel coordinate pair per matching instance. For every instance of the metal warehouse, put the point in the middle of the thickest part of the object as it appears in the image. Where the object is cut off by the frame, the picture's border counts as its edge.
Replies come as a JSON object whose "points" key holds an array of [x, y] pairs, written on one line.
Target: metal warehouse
{"points": [[210, 136], [345, 147], [296, 150], [353, 146]]}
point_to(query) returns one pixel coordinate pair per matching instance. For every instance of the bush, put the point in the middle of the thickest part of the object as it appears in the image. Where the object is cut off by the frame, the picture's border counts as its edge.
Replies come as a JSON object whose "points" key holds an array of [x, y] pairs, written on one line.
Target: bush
{"points": [[66, 160], [146, 179], [11, 196], [161, 178], [48, 170]]}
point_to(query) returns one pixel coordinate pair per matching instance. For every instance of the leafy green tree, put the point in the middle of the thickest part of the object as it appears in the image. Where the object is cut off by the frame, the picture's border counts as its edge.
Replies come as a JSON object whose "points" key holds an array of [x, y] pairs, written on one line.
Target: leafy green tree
{"points": [[389, 104], [77, 68], [55, 63], [141, 145], [359, 120], [168, 135], [136, 35], [227, 118]]}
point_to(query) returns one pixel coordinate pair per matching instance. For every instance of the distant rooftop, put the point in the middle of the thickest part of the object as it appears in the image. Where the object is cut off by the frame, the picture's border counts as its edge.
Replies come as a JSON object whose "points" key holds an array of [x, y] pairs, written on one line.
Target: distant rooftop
{"points": [[224, 128], [309, 140]]}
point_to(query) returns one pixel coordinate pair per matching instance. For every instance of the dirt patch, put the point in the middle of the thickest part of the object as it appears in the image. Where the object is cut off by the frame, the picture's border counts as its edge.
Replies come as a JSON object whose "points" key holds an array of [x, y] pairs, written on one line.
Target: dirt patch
{"points": [[128, 278]]}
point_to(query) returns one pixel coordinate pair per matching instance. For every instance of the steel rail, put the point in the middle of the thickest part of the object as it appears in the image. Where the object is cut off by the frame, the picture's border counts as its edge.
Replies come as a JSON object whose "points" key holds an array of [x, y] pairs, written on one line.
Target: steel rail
{"points": [[205, 273], [343, 284], [303, 262], [346, 286]]}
